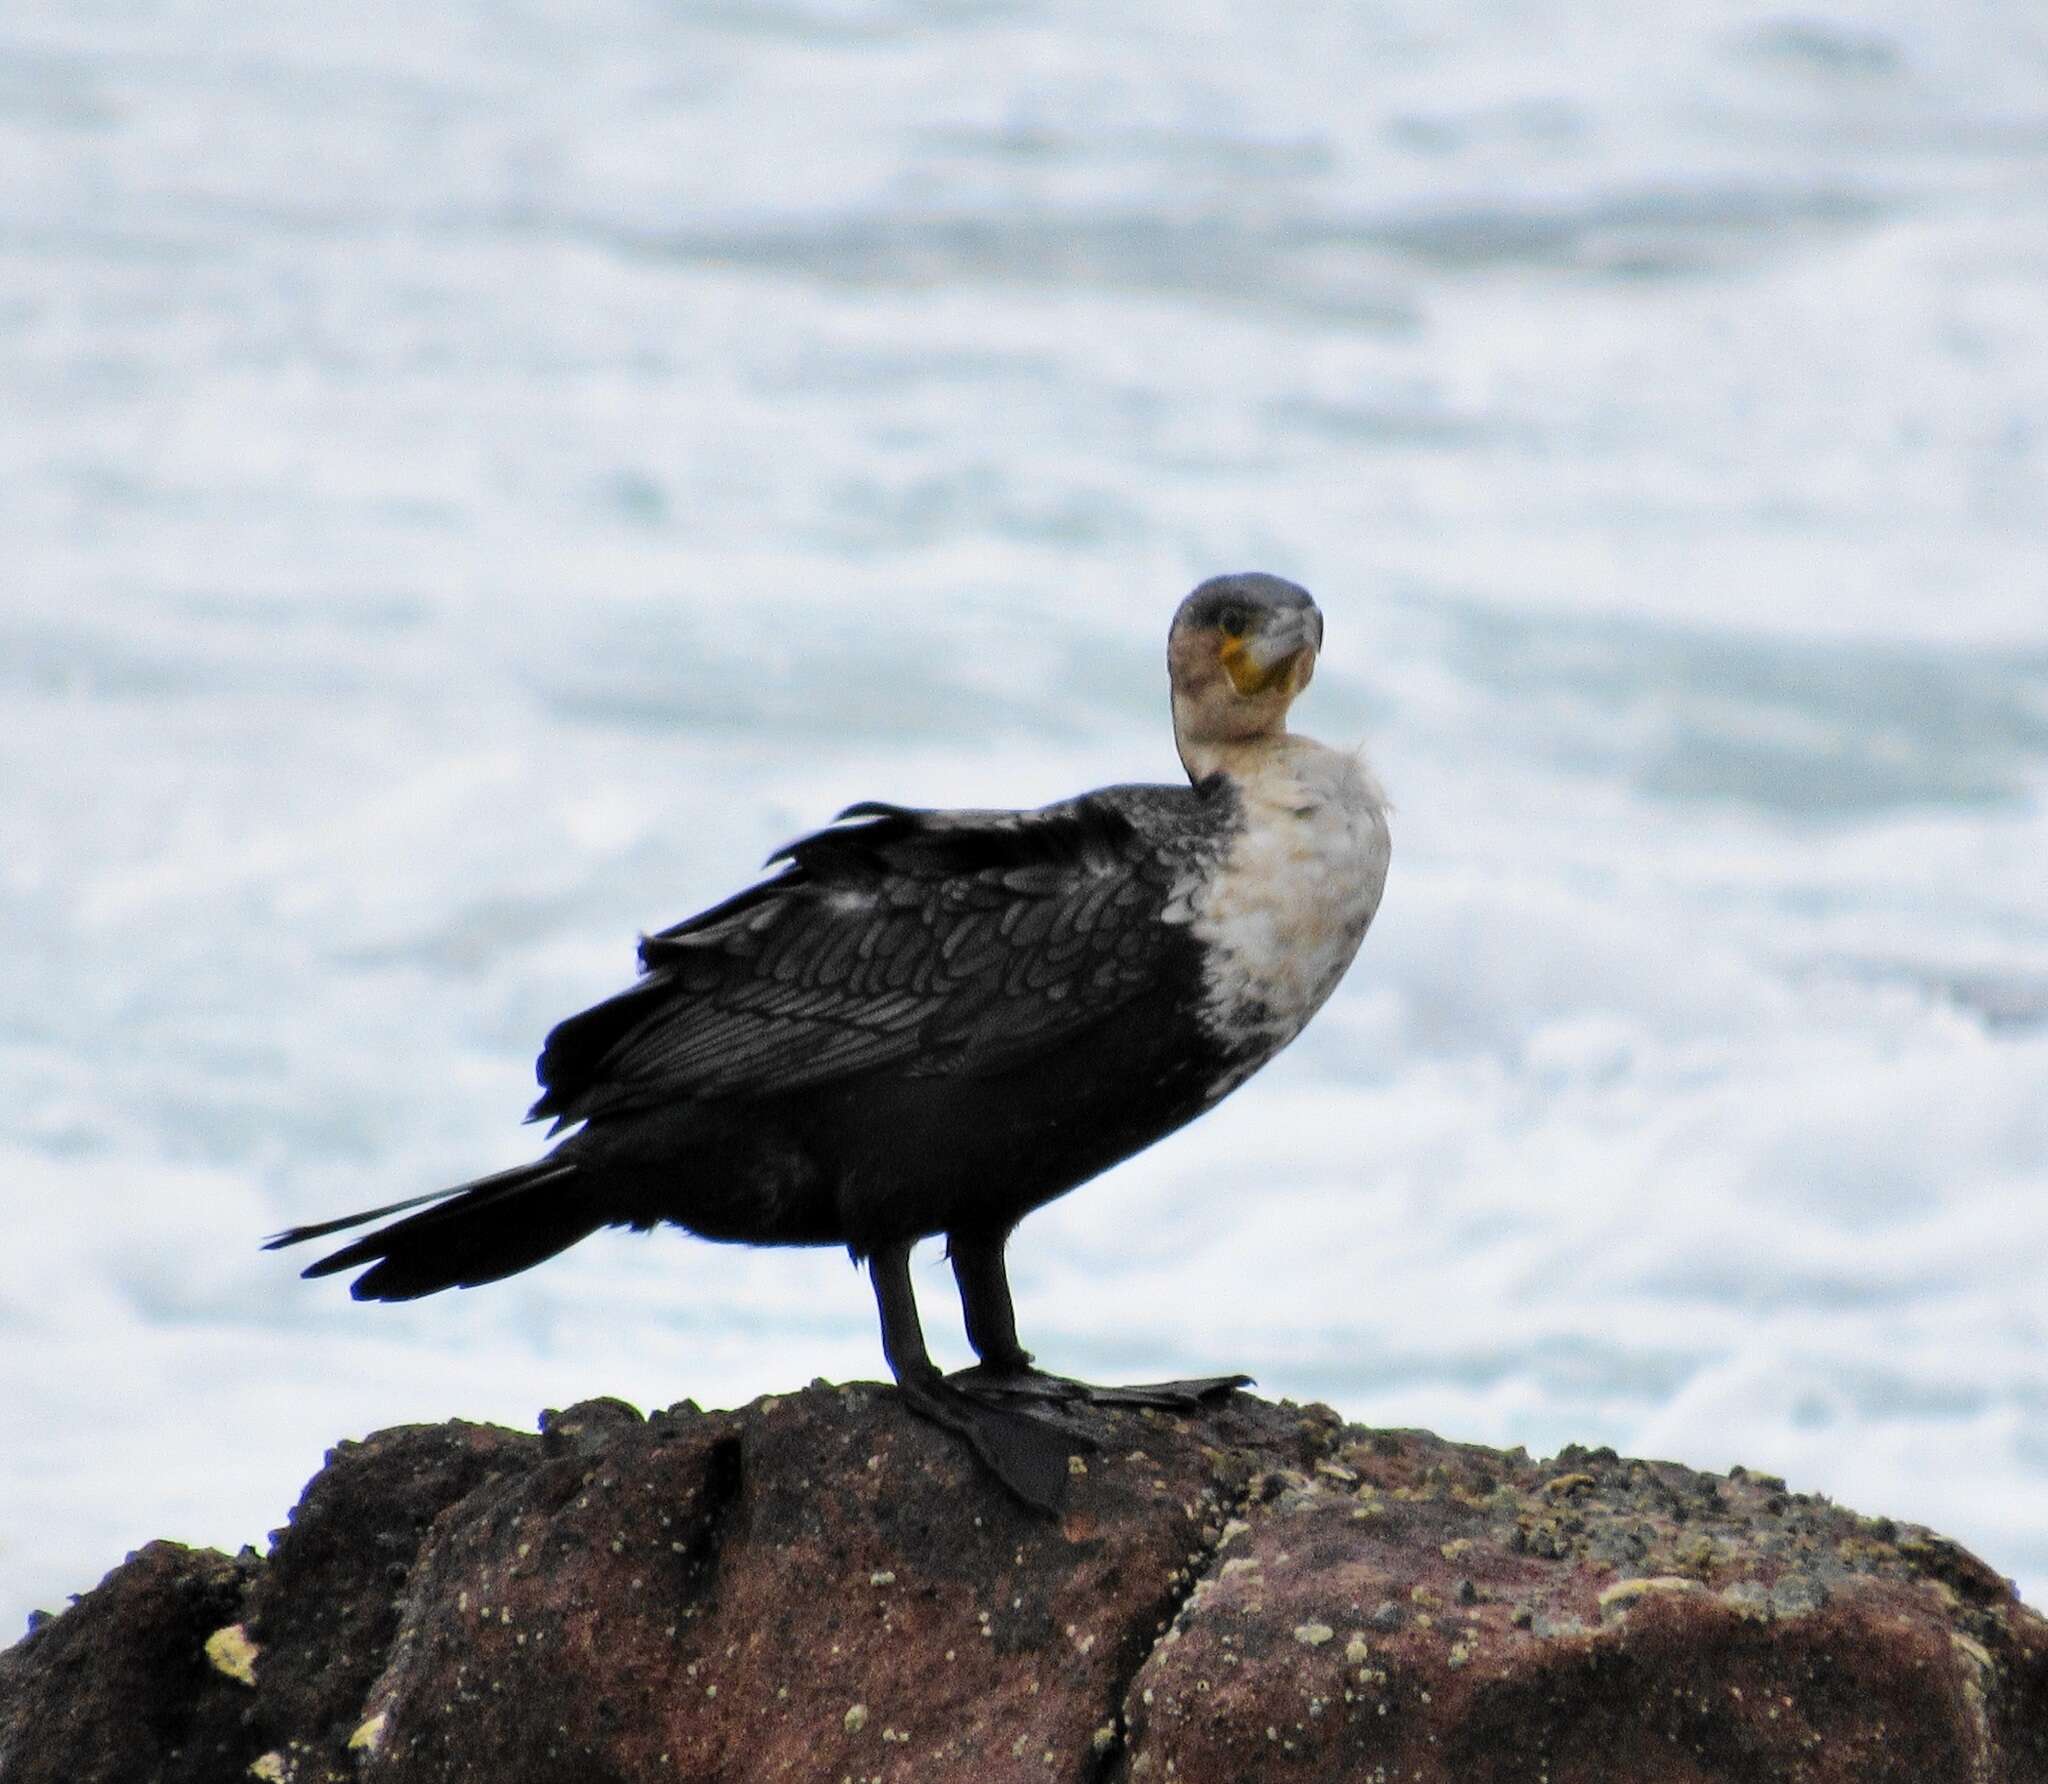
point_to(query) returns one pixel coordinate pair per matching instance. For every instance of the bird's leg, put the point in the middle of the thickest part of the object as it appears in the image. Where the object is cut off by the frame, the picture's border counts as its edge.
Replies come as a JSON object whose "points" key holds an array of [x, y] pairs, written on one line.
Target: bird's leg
{"points": [[1027, 1456], [902, 1332], [1005, 1370], [985, 1304]]}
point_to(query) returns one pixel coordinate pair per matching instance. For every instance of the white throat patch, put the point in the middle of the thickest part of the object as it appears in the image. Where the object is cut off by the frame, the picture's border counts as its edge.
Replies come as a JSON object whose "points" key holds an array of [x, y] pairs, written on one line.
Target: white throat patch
{"points": [[1283, 913]]}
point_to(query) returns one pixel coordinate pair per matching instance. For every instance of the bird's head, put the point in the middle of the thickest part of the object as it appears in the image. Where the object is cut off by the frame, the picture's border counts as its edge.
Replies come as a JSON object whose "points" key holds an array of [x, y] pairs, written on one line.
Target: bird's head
{"points": [[1240, 650]]}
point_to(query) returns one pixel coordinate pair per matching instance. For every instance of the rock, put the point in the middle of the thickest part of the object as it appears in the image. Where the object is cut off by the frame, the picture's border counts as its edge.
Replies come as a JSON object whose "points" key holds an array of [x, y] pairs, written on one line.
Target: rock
{"points": [[1588, 1618], [822, 1587], [122, 1685]]}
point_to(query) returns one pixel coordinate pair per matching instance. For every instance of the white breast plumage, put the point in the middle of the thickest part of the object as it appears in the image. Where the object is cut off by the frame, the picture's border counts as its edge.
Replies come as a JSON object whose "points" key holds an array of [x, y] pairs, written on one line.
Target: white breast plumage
{"points": [[1283, 912]]}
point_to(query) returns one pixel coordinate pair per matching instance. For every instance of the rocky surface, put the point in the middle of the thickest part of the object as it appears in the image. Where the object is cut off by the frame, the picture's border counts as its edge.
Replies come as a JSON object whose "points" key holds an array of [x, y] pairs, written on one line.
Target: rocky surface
{"points": [[821, 1588]]}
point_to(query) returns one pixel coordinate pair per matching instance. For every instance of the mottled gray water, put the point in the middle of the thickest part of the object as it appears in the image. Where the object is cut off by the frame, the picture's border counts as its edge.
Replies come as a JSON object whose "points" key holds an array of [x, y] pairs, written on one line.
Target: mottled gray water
{"points": [[475, 478]]}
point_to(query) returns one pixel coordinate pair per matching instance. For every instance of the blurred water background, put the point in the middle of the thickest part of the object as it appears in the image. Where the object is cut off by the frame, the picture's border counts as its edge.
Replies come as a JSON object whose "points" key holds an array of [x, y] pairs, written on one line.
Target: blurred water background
{"points": [[475, 477]]}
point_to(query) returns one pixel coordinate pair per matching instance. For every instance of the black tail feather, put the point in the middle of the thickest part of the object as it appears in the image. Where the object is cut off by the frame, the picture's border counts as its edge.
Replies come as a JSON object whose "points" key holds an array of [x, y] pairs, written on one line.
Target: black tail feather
{"points": [[298, 1235], [474, 1233]]}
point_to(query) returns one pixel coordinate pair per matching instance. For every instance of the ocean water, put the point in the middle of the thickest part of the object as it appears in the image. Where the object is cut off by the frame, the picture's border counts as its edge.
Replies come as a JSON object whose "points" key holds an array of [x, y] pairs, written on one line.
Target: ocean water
{"points": [[474, 479]]}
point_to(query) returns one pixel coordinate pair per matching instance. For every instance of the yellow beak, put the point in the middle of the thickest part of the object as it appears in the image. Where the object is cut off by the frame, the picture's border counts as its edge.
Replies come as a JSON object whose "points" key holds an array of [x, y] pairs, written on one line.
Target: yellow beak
{"points": [[1258, 665]]}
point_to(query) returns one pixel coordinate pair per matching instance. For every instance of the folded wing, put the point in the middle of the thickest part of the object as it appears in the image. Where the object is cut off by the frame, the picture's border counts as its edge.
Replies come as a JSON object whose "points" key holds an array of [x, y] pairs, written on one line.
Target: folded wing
{"points": [[896, 940]]}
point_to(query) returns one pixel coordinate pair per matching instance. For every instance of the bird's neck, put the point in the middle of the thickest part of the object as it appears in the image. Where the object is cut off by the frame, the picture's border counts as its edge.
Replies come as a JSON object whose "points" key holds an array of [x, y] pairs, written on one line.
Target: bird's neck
{"points": [[1246, 759]]}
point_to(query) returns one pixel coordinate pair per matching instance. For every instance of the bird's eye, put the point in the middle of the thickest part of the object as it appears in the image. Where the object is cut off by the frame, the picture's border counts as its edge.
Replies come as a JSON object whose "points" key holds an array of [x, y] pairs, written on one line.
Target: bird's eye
{"points": [[1234, 621]]}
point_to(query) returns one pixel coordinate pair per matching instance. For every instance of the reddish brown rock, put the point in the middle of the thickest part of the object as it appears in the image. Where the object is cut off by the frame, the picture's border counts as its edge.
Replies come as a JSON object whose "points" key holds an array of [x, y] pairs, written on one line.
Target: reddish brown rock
{"points": [[821, 1587], [1431, 1612], [155, 1675], [121, 1685], [325, 1609]]}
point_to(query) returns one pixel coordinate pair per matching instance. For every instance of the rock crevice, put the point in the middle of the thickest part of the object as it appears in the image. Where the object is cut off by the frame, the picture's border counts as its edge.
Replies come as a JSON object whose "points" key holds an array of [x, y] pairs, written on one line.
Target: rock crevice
{"points": [[819, 1586]]}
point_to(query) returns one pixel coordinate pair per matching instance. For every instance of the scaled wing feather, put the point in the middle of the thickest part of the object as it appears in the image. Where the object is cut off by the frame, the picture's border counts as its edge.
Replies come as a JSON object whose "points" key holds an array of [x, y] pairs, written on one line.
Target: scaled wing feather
{"points": [[921, 941]]}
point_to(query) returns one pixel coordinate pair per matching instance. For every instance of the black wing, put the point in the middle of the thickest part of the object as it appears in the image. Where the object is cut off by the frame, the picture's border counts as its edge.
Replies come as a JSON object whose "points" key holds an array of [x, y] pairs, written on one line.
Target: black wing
{"points": [[927, 942]]}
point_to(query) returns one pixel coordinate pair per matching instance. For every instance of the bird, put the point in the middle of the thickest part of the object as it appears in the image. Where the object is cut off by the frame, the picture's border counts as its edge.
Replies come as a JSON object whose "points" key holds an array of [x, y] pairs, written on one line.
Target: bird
{"points": [[932, 1022]]}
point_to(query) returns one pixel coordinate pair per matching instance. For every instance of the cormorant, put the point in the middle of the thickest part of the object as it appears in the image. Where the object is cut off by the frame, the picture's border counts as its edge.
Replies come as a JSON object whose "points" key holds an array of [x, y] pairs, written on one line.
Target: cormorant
{"points": [[933, 1022]]}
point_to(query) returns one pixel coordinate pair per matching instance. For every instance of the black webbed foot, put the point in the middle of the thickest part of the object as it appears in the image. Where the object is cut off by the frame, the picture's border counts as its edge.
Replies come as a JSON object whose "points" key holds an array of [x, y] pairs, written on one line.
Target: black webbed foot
{"points": [[1027, 1451], [1000, 1385], [1027, 1455]]}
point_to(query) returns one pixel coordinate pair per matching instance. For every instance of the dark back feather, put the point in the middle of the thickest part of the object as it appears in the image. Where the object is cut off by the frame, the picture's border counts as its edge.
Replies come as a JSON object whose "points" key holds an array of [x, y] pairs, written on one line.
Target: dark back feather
{"points": [[899, 940]]}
